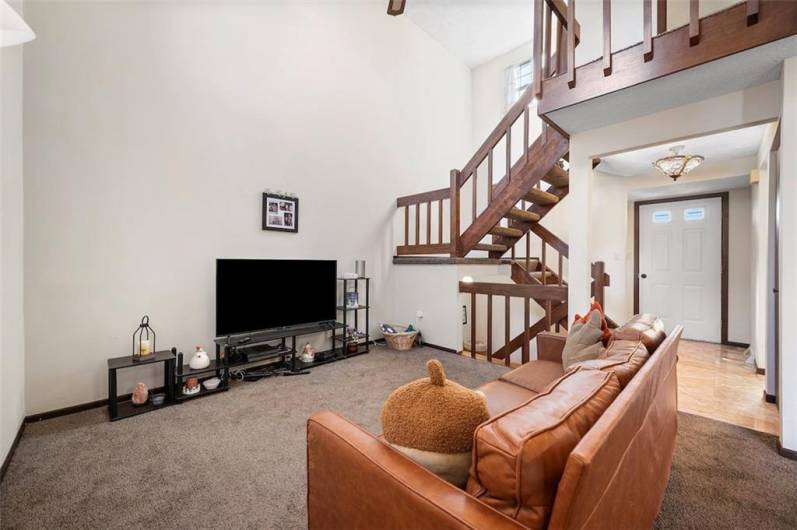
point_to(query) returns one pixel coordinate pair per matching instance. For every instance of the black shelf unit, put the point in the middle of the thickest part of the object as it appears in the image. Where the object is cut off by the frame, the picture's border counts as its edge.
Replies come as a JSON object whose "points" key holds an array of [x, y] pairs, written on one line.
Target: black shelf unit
{"points": [[360, 286], [118, 410], [216, 368]]}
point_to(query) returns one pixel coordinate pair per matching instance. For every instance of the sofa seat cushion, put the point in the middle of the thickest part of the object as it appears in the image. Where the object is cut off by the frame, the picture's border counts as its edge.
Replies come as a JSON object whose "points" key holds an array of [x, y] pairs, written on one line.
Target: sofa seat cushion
{"points": [[520, 455], [536, 376], [646, 328], [623, 357], [502, 396]]}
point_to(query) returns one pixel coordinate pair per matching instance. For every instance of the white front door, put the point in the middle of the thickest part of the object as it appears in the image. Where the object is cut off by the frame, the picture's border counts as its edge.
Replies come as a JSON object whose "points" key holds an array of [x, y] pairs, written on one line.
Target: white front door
{"points": [[680, 265]]}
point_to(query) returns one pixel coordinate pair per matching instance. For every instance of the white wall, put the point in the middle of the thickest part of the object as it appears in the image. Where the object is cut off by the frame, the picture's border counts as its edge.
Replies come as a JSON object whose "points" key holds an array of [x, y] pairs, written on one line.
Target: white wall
{"points": [[12, 329], [153, 128], [787, 239], [740, 279]]}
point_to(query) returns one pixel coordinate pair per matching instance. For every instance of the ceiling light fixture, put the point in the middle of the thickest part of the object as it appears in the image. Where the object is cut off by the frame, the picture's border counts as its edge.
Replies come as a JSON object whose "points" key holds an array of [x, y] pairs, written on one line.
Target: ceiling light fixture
{"points": [[677, 165], [13, 30]]}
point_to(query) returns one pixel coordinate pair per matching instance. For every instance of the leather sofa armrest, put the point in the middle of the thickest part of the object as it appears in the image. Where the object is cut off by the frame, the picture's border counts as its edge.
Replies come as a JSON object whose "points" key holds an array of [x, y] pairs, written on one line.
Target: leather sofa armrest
{"points": [[550, 346], [355, 480]]}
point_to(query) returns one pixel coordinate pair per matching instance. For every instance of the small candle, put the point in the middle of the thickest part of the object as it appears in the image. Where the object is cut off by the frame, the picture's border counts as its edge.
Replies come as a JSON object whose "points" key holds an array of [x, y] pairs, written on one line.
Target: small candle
{"points": [[144, 347]]}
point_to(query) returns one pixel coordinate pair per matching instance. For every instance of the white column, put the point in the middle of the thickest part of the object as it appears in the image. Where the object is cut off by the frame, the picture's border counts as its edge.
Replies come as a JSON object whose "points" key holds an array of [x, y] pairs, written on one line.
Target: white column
{"points": [[579, 232], [787, 399]]}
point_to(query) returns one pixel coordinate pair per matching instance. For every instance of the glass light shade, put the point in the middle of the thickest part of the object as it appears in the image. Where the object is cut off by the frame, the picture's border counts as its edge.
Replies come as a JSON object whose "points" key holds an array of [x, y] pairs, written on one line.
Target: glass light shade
{"points": [[13, 30], [677, 165]]}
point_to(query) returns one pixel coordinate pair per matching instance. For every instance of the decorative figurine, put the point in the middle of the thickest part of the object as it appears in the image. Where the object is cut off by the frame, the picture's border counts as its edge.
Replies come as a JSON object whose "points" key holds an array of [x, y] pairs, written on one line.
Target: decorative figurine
{"points": [[191, 386], [200, 359], [308, 354], [140, 394]]}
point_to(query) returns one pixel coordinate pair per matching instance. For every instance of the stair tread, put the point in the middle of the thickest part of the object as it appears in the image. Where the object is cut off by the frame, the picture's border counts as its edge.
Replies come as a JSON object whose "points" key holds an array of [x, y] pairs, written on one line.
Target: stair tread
{"points": [[523, 215], [491, 247], [543, 198], [558, 177], [505, 231]]}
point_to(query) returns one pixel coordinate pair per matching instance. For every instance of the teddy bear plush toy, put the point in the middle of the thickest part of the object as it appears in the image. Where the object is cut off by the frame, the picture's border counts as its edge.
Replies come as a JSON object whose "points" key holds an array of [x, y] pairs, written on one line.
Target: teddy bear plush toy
{"points": [[432, 421]]}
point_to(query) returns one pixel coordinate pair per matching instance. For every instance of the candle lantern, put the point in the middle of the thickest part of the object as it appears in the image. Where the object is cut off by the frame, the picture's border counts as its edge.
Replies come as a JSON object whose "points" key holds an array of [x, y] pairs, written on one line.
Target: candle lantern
{"points": [[143, 340]]}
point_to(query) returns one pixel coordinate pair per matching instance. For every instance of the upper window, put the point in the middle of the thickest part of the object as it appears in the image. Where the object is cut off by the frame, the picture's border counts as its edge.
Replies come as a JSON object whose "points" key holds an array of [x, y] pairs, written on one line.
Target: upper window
{"points": [[518, 79]]}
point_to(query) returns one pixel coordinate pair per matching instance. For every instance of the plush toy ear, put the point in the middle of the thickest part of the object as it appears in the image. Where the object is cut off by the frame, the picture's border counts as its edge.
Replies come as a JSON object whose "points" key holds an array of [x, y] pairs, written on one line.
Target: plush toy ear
{"points": [[436, 373]]}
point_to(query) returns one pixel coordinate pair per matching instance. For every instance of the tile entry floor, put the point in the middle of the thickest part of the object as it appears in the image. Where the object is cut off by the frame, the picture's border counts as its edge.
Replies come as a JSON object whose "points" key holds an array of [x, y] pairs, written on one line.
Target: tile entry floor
{"points": [[714, 382]]}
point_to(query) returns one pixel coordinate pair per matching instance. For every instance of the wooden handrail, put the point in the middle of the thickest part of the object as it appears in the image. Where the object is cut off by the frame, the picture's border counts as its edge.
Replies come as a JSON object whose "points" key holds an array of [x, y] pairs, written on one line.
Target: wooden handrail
{"points": [[553, 293], [427, 196], [548, 237]]}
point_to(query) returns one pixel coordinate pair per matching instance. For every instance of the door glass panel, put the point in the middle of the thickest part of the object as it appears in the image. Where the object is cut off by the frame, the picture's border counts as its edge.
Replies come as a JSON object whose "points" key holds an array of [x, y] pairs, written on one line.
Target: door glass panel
{"points": [[694, 214], [662, 216]]}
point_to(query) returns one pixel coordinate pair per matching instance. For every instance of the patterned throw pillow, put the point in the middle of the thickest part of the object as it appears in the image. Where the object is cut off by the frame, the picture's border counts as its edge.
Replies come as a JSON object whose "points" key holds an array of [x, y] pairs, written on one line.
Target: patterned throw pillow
{"points": [[583, 340]]}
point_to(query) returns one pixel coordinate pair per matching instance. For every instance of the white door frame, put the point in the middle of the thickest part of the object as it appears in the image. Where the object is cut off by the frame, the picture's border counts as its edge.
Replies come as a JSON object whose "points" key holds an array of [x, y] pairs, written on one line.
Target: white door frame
{"points": [[723, 258]]}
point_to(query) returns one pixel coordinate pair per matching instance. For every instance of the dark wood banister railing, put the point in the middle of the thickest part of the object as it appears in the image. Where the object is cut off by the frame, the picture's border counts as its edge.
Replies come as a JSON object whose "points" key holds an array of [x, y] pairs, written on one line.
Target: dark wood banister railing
{"points": [[662, 51], [552, 298]]}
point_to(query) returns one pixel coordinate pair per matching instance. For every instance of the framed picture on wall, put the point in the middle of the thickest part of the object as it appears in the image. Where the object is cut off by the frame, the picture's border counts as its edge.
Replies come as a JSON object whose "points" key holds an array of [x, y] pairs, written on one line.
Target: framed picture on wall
{"points": [[280, 213]]}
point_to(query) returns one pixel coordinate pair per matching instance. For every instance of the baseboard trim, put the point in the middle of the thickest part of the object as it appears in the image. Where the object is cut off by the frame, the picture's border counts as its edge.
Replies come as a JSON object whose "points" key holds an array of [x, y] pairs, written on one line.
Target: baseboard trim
{"points": [[441, 348], [770, 398], [760, 371], [82, 407], [736, 344], [787, 453], [11, 451]]}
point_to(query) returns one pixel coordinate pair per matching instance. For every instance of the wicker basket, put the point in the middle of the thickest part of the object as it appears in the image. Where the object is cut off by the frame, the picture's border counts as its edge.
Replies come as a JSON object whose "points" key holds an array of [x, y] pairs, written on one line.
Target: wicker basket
{"points": [[401, 341]]}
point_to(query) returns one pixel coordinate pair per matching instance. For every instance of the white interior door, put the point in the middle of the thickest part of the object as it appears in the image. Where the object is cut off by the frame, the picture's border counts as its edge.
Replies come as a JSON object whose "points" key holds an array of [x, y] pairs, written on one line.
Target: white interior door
{"points": [[680, 265]]}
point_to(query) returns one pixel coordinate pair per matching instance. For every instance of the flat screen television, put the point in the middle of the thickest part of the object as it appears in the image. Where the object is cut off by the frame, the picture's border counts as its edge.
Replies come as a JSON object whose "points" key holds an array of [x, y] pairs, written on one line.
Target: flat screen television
{"points": [[259, 294]]}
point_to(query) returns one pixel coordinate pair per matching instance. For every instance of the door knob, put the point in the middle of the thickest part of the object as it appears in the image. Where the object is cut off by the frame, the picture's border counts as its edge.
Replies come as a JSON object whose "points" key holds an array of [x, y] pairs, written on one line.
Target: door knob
{"points": [[643, 275]]}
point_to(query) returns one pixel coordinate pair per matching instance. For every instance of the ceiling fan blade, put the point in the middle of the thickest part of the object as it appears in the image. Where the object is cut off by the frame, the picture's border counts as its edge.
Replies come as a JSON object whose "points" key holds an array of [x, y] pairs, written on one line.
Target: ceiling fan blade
{"points": [[396, 7]]}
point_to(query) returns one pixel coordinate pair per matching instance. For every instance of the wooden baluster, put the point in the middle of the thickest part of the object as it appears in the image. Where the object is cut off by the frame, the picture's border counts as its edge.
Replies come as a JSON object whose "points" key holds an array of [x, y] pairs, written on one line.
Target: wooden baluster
{"points": [[475, 192], [455, 205], [752, 12], [661, 16], [546, 49], [560, 269], [694, 22], [647, 40], [607, 37], [526, 135], [512, 252], [429, 223], [571, 43], [544, 266], [526, 325], [548, 315], [528, 251], [418, 224], [506, 330], [489, 328], [561, 46], [508, 154], [536, 61], [440, 221], [407, 225], [490, 176], [473, 325]]}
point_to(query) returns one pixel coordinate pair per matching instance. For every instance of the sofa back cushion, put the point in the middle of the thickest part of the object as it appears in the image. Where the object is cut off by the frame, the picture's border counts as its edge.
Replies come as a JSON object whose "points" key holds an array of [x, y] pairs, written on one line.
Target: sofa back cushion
{"points": [[623, 357], [646, 328], [519, 456]]}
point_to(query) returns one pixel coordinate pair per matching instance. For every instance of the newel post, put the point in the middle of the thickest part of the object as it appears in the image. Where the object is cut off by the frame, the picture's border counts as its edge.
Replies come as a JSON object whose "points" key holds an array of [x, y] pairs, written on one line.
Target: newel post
{"points": [[456, 249]]}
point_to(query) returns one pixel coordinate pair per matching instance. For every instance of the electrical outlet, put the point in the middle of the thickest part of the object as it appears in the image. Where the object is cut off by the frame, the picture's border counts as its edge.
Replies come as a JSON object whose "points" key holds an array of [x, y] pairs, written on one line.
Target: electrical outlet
{"points": [[419, 313]]}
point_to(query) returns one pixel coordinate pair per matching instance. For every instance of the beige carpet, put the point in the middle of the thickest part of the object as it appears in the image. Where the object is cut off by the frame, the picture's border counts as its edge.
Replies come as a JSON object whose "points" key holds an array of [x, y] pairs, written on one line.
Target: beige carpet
{"points": [[237, 460]]}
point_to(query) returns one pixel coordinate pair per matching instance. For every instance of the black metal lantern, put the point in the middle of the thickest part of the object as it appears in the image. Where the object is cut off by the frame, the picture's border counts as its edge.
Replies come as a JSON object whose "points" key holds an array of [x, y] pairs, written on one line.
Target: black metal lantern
{"points": [[143, 345]]}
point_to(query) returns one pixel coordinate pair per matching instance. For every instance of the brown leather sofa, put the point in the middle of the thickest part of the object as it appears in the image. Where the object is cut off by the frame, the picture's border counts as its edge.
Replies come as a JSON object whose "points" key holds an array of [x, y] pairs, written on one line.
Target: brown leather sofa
{"points": [[587, 448]]}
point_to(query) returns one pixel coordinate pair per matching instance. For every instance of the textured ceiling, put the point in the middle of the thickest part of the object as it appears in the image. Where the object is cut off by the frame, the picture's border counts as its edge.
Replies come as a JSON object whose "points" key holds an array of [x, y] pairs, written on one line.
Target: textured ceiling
{"points": [[475, 31]]}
